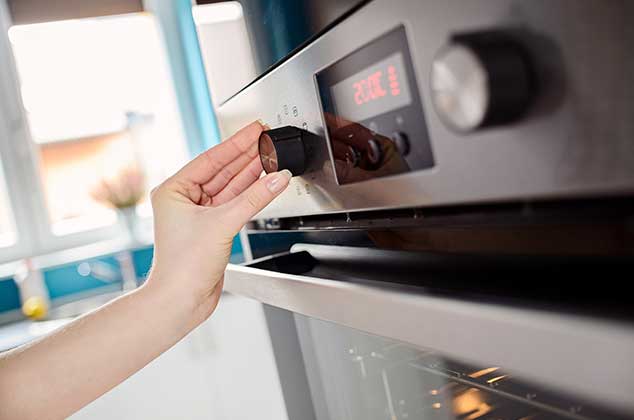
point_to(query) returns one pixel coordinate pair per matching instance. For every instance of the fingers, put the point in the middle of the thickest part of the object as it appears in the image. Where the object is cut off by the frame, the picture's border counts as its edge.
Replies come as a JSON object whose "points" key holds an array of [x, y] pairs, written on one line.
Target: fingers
{"points": [[226, 174], [239, 183], [209, 163], [255, 198]]}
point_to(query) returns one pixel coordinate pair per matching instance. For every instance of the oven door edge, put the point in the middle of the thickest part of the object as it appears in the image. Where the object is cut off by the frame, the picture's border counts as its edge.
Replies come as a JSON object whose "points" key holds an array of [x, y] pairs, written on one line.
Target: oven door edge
{"points": [[472, 331]]}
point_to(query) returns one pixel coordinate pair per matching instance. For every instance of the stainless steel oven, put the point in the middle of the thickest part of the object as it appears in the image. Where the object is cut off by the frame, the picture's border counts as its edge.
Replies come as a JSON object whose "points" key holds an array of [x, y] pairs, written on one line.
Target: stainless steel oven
{"points": [[360, 332], [456, 239]]}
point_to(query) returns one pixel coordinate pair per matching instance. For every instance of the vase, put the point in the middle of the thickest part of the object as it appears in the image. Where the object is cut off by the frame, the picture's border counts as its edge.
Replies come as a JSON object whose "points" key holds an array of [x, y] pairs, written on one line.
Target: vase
{"points": [[128, 221]]}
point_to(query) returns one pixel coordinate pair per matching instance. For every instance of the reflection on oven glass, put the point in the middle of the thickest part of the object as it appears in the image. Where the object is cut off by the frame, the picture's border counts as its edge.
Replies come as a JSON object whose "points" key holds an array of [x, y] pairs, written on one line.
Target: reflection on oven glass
{"points": [[359, 153], [373, 112], [358, 376]]}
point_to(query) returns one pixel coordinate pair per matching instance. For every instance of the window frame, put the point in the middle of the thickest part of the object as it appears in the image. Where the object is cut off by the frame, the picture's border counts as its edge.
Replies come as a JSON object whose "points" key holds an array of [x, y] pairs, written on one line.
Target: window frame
{"points": [[20, 160]]}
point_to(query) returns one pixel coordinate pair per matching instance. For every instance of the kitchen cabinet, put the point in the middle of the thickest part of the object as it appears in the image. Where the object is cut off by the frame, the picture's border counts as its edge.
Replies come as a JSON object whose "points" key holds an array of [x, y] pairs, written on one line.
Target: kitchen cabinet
{"points": [[225, 369]]}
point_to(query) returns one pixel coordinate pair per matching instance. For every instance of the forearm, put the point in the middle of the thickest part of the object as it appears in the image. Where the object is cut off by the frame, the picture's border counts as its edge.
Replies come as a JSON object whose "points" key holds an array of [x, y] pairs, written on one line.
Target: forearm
{"points": [[197, 213], [61, 373]]}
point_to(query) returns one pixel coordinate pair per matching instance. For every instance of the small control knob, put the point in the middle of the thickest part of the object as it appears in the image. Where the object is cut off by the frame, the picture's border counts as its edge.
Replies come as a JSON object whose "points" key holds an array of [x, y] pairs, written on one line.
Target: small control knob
{"points": [[374, 152], [481, 79], [283, 148], [401, 141]]}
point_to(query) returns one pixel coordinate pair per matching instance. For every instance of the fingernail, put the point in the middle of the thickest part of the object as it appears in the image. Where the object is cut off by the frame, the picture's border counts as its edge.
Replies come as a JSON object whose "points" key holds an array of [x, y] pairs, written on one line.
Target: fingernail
{"points": [[278, 181], [263, 124]]}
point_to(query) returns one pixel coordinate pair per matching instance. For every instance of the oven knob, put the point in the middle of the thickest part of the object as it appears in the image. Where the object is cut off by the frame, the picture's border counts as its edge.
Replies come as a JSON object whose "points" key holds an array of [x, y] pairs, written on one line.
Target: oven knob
{"points": [[283, 148], [481, 79], [374, 152], [401, 141]]}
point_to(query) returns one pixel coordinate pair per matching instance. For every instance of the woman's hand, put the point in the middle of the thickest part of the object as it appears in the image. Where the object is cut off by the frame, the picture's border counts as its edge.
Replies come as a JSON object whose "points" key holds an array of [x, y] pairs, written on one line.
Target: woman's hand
{"points": [[199, 210]]}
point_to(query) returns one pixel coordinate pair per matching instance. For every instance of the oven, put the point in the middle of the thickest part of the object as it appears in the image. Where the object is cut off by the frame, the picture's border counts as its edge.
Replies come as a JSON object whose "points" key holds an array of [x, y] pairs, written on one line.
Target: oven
{"points": [[456, 239]]}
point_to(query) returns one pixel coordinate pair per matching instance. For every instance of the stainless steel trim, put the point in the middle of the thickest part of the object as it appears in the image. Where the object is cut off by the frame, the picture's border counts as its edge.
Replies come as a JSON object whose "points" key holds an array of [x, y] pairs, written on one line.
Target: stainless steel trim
{"points": [[587, 356], [575, 142]]}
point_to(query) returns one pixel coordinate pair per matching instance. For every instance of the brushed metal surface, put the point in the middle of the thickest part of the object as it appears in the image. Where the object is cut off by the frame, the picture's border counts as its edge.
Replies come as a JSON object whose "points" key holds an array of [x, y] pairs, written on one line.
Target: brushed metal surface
{"points": [[574, 354], [577, 141]]}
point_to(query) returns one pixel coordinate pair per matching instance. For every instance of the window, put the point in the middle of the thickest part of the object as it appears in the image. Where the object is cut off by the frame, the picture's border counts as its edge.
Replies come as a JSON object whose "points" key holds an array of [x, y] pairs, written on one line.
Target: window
{"points": [[7, 233], [90, 113], [96, 99]]}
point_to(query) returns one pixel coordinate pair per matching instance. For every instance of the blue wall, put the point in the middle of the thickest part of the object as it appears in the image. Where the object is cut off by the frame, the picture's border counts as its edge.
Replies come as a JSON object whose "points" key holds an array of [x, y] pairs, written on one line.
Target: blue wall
{"points": [[64, 281], [188, 72], [9, 295]]}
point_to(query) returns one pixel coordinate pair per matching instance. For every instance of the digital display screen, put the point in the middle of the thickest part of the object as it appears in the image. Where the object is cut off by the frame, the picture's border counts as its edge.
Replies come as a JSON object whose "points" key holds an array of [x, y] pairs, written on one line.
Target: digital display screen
{"points": [[373, 112], [375, 90]]}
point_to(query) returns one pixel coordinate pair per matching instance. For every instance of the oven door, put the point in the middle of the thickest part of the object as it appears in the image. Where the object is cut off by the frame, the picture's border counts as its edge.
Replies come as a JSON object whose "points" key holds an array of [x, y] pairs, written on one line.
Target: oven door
{"points": [[349, 345]]}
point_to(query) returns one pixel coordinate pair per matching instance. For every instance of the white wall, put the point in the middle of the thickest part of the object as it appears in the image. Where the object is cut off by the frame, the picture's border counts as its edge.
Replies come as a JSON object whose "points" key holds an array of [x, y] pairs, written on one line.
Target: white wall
{"points": [[224, 370], [225, 47]]}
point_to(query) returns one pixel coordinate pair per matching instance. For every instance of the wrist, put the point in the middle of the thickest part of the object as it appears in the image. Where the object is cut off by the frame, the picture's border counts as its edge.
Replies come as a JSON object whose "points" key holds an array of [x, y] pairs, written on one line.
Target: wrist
{"points": [[170, 296]]}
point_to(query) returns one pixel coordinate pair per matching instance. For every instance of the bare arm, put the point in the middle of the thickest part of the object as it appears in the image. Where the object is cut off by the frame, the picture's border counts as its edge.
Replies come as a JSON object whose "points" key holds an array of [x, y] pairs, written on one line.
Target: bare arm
{"points": [[197, 212]]}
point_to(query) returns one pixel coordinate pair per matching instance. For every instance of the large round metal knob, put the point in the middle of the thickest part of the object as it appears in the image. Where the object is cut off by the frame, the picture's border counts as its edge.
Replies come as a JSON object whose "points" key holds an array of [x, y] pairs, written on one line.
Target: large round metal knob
{"points": [[481, 79]]}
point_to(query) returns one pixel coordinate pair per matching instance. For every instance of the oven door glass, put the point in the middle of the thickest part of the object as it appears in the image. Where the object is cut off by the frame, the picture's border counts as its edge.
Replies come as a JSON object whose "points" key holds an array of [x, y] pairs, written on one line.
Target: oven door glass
{"points": [[353, 375], [349, 345]]}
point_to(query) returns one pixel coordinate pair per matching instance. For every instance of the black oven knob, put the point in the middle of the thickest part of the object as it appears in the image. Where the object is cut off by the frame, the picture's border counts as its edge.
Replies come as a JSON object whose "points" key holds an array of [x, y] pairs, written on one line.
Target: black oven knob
{"points": [[283, 148], [374, 153], [401, 141], [481, 79]]}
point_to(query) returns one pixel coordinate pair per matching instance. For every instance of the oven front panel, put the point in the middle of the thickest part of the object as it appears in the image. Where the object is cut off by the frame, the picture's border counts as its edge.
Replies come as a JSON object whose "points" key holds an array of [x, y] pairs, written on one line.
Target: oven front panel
{"points": [[575, 139]]}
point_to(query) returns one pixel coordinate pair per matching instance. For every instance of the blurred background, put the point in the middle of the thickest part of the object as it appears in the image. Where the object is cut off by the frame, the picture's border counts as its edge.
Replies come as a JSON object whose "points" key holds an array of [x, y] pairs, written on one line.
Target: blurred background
{"points": [[103, 94], [101, 101]]}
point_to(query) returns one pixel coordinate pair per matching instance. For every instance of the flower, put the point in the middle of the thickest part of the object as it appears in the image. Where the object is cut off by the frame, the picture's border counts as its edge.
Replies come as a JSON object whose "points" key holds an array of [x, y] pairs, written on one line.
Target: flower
{"points": [[124, 189]]}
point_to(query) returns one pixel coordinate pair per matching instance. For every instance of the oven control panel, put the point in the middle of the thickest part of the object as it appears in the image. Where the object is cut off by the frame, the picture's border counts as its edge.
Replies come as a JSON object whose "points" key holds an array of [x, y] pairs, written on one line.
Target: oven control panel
{"points": [[373, 114], [421, 103]]}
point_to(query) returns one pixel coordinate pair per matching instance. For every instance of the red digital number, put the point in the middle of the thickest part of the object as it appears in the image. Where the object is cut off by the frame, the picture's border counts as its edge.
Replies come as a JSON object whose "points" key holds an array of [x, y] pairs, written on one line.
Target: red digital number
{"points": [[365, 94], [358, 93], [376, 90], [394, 86], [368, 89]]}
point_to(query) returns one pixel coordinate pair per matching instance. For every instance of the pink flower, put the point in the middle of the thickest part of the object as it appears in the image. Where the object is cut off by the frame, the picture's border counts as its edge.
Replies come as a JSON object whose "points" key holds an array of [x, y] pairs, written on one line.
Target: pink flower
{"points": [[125, 189]]}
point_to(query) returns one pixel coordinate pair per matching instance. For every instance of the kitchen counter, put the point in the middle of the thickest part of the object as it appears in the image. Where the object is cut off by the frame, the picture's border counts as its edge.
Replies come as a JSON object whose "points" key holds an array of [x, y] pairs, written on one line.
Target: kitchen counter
{"points": [[18, 333]]}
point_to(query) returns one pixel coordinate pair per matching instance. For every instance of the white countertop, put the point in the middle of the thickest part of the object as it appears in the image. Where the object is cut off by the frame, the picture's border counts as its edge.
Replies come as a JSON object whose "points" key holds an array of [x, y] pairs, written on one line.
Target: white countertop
{"points": [[16, 334]]}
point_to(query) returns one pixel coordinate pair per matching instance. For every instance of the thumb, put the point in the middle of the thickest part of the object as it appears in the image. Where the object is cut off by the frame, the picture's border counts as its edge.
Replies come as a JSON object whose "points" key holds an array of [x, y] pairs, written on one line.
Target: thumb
{"points": [[242, 208]]}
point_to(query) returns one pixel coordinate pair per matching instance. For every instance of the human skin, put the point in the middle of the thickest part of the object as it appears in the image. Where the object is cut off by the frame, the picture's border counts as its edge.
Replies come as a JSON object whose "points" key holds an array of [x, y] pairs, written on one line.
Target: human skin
{"points": [[197, 213]]}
